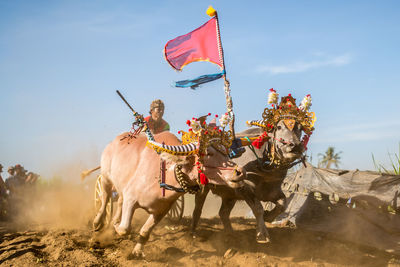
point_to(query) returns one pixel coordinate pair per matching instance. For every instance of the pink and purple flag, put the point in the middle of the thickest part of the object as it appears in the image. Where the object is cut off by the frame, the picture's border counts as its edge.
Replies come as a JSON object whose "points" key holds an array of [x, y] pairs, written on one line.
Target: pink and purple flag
{"points": [[198, 45], [202, 44]]}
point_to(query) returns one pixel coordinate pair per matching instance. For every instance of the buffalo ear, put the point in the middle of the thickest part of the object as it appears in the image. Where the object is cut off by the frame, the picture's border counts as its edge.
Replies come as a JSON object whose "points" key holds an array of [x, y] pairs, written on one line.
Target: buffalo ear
{"points": [[190, 160]]}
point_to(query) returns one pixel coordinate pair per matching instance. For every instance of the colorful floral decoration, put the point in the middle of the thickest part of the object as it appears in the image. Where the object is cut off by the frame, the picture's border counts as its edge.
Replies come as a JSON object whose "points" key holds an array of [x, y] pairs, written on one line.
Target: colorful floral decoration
{"points": [[306, 103], [195, 124], [205, 135], [289, 112], [196, 141], [273, 97], [224, 120]]}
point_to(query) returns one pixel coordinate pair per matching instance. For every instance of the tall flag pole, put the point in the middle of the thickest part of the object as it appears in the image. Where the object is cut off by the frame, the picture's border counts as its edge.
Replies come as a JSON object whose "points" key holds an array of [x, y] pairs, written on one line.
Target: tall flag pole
{"points": [[229, 105], [201, 44]]}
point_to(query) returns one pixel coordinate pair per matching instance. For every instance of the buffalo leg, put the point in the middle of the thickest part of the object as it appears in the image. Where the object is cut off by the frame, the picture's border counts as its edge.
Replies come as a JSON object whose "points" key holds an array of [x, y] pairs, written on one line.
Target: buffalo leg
{"points": [[256, 207], [117, 216], [224, 212], [145, 232], [128, 208], [280, 206], [98, 221], [200, 198]]}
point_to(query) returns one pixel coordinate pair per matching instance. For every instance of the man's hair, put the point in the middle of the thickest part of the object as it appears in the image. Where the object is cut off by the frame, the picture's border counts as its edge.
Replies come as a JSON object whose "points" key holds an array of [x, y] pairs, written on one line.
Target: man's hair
{"points": [[156, 104]]}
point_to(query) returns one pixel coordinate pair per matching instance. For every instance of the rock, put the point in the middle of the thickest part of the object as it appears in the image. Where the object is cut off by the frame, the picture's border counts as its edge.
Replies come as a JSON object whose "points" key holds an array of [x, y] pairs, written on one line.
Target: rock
{"points": [[229, 253]]}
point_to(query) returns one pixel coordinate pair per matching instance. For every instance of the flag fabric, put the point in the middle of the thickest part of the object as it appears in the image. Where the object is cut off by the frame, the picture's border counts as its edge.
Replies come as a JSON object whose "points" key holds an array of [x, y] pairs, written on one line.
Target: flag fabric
{"points": [[202, 44], [194, 83]]}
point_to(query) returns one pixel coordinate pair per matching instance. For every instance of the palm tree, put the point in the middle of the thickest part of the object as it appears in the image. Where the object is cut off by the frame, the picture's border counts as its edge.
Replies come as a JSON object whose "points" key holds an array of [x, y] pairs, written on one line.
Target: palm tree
{"points": [[329, 157]]}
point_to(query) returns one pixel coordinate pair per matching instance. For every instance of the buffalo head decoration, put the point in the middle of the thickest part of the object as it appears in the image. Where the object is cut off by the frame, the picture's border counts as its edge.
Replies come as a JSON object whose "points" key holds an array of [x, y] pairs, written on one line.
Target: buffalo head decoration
{"points": [[284, 123]]}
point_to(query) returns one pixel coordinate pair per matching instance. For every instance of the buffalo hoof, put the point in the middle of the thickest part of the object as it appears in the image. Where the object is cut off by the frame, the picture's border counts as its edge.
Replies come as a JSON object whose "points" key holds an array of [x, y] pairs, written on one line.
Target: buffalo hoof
{"points": [[262, 238], [115, 222], [98, 223], [137, 252], [121, 230]]}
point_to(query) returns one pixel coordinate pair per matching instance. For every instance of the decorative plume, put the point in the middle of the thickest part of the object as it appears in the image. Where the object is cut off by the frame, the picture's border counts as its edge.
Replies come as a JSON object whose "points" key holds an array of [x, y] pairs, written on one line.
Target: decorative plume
{"points": [[306, 103], [273, 96], [288, 111], [196, 127], [224, 120]]}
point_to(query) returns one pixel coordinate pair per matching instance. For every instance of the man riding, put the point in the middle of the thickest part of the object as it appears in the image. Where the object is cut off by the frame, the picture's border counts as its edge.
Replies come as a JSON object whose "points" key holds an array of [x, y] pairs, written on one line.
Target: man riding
{"points": [[155, 121]]}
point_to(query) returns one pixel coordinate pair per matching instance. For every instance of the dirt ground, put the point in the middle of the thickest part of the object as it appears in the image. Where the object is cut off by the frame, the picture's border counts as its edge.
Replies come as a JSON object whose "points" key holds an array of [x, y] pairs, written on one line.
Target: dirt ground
{"points": [[171, 245], [54, 230]]}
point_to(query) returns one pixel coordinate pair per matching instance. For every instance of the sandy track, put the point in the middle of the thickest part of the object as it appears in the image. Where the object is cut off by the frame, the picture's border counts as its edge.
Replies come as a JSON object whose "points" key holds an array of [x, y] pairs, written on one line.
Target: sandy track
{"points": [[172, 246]]}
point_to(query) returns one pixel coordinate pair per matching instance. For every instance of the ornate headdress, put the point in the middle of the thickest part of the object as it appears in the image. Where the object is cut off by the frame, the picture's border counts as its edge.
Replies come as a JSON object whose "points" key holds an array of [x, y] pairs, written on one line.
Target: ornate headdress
{"points": [[288, 111], [207, 134], [199, 136]]}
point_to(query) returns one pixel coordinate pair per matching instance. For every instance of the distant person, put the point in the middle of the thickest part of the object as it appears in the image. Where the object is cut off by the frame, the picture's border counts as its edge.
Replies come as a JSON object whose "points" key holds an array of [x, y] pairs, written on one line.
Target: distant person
{"points": [[16, 179], [31, 178], [3, 187], [11, 171], [155, 121], [20, 172]]}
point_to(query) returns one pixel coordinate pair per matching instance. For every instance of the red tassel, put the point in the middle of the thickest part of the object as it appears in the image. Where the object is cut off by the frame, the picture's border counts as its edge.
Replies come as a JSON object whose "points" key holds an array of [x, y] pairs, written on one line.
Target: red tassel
{"points": [[260, 141], [306, 138], [203, 179]]}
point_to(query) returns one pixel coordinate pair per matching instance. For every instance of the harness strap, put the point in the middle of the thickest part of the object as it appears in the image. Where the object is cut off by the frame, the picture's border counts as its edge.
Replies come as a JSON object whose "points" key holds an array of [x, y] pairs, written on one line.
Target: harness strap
{"points": [[162, 169], [287, 166], [260, 162], [171, 187], [182, 181]]}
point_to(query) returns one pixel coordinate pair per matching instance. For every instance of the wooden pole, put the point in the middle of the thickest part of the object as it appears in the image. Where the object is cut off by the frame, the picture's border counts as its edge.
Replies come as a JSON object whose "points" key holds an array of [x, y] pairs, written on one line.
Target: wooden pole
{"points": [[228, 98]]}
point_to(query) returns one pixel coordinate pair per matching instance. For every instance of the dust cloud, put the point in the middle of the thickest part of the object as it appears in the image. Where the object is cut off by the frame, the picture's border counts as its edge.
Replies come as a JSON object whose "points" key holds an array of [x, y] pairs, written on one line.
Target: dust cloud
{"points": [[60, 201], [212, 206]]}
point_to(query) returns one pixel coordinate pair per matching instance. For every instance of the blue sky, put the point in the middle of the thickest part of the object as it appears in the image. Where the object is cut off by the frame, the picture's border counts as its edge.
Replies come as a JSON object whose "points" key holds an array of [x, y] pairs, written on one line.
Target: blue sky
{"points": [[61, 62]]}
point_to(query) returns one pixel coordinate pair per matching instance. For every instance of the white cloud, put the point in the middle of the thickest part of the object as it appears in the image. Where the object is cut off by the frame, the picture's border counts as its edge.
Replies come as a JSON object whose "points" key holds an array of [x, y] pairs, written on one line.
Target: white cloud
{"points": [[305, 66]]}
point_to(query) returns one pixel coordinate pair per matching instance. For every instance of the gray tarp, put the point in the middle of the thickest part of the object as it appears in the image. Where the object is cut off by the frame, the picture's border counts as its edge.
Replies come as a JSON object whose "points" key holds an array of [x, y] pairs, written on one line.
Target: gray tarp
{"points": [[357, 206]]}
